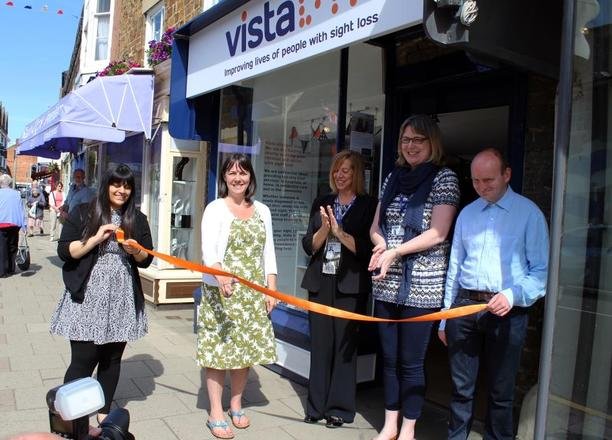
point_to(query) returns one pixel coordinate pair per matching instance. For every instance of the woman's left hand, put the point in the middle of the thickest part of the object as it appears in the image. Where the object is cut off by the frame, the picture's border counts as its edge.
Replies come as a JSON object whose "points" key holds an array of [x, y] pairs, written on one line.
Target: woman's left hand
{"points": [[384, 262], [129, 248], [270, 303]]}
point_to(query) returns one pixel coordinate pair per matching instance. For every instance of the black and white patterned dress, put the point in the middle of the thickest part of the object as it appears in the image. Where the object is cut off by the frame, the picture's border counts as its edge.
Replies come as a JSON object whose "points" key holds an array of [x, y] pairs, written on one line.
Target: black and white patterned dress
{"points": [[107, 313], [429, 270]]}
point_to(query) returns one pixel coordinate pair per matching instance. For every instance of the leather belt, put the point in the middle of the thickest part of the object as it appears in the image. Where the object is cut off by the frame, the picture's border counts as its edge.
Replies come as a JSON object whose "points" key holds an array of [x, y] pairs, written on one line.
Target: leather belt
{"points": [[477, 295]]}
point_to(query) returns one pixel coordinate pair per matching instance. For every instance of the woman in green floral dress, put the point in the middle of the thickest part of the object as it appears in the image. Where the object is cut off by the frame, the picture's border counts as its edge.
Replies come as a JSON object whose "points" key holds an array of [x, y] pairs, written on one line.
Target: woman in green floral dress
{"points": [[235, 332]]}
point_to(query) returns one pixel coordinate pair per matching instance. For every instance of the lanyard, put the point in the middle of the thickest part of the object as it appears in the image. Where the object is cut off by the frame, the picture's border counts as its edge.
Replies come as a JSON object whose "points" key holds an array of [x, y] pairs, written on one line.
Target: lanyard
{"points": [[341, 210]]}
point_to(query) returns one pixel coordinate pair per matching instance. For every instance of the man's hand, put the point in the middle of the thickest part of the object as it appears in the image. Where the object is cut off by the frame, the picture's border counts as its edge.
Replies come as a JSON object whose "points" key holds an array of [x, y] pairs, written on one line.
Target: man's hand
{"points": [[442, 337], [499, 305]]}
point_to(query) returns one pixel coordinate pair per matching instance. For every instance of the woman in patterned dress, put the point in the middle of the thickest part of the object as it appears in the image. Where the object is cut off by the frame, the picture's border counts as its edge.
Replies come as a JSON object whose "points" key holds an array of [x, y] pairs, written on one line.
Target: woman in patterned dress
{"points": [[234, 330], [103, 305], [418, 203]]}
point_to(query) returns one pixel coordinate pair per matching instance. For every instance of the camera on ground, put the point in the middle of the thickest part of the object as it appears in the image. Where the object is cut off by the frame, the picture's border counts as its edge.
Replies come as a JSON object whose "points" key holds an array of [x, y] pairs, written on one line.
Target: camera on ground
{"points": [[70, 406]]}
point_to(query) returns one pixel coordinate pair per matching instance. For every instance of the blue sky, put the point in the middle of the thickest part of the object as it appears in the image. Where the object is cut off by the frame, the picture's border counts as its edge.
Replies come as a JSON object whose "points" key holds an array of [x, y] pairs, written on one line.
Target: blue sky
{"points": [[36, 49]]}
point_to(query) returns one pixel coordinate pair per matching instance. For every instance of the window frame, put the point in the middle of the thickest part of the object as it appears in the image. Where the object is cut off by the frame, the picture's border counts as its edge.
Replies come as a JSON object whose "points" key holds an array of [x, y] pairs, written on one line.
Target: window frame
{"points": [[150, 15], [96, 18]]}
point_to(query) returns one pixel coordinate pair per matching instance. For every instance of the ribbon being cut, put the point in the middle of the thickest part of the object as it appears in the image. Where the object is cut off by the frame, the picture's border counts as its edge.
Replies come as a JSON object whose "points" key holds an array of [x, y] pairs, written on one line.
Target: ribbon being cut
{"points": [[298, 302]]}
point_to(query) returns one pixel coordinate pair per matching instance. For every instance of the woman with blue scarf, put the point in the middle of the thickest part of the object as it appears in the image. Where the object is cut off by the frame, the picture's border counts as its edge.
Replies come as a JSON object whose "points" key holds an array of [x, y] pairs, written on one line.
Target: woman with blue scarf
{"points": [[418, 204]]}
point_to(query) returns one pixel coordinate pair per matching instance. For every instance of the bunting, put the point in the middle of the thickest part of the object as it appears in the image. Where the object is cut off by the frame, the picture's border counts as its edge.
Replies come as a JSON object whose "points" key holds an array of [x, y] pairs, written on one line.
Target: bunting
{"points": [[28, 5]]}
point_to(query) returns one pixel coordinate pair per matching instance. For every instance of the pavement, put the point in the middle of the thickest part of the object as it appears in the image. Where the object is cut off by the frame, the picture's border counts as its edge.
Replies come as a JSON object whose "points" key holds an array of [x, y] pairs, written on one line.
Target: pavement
{"points": [[161, 385]]}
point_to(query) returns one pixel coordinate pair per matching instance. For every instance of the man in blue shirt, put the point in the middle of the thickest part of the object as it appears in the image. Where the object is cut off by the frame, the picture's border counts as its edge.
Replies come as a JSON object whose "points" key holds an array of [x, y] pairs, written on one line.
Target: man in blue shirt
{"points": [[78, 193], [499, 256], [12, 218]]}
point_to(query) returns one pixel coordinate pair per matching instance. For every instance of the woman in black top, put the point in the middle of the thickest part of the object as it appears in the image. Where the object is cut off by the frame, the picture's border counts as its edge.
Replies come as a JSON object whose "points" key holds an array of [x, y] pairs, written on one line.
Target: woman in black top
{"points": [[339, 246], [103, 305]]}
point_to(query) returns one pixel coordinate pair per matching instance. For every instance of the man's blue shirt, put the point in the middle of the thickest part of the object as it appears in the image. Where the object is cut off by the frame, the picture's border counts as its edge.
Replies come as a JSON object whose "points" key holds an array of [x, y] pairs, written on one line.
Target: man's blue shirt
{"points": [[78, 195], [499, 247], [11, 207]]}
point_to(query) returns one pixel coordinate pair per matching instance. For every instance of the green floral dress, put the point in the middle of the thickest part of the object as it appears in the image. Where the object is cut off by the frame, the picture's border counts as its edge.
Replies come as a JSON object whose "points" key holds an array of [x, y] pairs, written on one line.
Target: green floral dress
{"points": [[235, 332]]}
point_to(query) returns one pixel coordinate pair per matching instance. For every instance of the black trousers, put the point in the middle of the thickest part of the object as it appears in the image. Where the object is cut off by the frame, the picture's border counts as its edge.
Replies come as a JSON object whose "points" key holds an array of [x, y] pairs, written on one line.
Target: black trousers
{"points": [[85, 356], [333, 355], [9, 242]]}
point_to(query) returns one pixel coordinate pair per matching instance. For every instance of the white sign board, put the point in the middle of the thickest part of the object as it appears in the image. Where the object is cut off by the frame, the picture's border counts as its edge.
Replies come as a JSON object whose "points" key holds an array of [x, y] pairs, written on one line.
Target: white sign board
{"points": [[267, 35]]}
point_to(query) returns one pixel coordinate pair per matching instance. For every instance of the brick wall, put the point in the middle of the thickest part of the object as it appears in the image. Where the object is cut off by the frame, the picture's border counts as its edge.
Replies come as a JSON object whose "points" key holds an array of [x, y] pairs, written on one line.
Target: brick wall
{"points": [[20, 167], [129, 28]]}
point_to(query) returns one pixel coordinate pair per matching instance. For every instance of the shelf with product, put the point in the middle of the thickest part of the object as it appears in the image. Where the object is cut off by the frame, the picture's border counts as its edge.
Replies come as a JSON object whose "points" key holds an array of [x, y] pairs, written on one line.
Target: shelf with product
{"points": [[176, 184]]}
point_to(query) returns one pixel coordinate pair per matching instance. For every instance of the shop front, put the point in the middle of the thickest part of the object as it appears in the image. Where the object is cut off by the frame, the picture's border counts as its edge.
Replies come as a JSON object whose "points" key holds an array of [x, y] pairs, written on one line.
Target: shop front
{"points": [[292, 86]]}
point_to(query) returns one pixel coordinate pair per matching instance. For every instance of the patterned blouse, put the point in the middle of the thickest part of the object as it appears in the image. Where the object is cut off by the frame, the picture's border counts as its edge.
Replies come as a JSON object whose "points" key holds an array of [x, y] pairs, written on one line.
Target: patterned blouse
{"points": [[429, 270]]}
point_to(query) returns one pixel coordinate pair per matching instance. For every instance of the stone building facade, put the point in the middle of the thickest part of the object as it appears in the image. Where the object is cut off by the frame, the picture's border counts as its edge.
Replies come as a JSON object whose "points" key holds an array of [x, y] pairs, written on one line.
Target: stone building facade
{"points": [[129, 25]]}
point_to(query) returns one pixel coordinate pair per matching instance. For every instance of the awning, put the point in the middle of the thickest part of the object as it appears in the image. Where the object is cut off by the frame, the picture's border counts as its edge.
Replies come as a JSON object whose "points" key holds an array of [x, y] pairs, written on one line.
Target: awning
{"points": [[104, 109]]}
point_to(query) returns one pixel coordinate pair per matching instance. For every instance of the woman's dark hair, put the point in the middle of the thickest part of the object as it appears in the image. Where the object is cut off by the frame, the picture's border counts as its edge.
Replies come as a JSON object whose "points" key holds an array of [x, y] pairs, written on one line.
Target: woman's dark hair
{"points": [[244, 163], [100, 207]]}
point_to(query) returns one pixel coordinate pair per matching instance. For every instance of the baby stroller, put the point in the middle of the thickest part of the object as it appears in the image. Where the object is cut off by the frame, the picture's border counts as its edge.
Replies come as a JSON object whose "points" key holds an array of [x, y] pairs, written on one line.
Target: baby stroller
{"points": [[22, 258]]}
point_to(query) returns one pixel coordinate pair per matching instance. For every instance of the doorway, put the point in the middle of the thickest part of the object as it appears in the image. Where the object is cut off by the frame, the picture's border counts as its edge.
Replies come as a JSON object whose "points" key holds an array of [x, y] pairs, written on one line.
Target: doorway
{"points": [[474, 111]]}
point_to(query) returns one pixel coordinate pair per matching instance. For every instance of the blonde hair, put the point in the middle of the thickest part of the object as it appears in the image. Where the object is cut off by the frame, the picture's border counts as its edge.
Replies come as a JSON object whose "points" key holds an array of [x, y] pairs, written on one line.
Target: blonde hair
{"points": [[427, 127], [356, 161]]}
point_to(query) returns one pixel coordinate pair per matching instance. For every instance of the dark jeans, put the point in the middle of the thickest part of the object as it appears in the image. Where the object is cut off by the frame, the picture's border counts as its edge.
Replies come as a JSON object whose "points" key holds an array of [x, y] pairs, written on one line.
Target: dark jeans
{"points": [[403, 348], [9, 242], [499, 340], [333, 355], [86, 355]]}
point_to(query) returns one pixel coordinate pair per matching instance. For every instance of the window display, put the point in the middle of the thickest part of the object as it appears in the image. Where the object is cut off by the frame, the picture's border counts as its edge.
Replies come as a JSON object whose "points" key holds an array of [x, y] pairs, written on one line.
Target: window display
{"points": [[183, 196], [291, 136]]}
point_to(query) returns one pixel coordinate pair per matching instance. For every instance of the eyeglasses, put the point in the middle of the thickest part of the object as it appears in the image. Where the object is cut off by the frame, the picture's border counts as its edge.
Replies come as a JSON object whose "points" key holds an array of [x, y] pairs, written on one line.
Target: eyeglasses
{"points": [[420, 140]]}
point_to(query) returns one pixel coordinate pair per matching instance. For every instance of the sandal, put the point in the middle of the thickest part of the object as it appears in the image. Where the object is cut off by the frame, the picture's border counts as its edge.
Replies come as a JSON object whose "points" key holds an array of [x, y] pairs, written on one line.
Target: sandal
{"points": [[222, 427], [239, 415]]}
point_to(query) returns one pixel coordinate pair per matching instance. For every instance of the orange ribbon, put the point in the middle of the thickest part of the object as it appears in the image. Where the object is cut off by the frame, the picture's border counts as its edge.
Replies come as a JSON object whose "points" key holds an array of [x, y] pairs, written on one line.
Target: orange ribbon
{"points": [[298, 302]]}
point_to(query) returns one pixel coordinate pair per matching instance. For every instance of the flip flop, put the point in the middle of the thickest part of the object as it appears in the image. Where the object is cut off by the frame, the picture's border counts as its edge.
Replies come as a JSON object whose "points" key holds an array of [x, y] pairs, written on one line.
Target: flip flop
{"points": [[239, 415], [222, 426]]}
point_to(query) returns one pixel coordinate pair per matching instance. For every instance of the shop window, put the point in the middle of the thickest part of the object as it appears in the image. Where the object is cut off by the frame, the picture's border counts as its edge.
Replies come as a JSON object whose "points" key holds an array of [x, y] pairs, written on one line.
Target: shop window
{"points": [[153, 184], [287, 121], [102, 20], [366, 109], [581, 363]]}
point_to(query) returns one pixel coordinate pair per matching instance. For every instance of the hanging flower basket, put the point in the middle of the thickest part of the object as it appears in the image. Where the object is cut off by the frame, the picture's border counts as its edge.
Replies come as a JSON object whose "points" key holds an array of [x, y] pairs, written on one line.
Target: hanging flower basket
{"points": [[160, 51]]}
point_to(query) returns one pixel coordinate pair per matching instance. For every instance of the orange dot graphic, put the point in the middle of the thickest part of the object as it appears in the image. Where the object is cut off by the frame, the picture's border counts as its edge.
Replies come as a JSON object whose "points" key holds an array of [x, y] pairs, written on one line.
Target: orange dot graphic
{"points": [[353, 2], [243, 16], [317, 4], [308, 19], [301, 10], [334, 8], [301, 22]]}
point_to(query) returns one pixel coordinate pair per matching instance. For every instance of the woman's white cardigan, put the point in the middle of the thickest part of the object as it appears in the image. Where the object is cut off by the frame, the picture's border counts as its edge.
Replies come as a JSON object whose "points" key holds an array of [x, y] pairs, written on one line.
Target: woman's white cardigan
{"points": [[216, 223]]}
